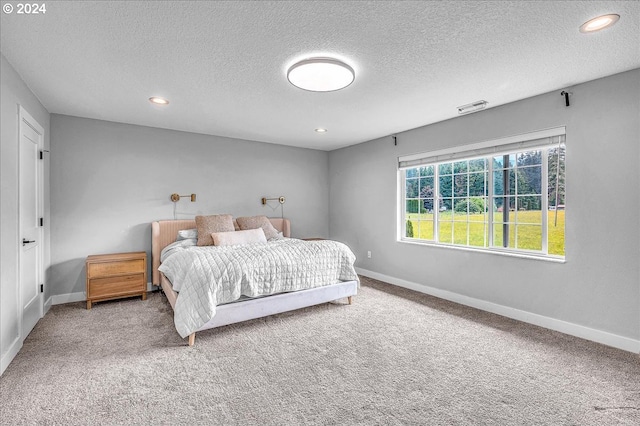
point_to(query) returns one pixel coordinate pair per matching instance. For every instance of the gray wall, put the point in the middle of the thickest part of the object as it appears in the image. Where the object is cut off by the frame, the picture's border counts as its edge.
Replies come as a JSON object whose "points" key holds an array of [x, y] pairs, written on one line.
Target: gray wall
{"points": [[109, 181], [14, 93], [599, 285]]}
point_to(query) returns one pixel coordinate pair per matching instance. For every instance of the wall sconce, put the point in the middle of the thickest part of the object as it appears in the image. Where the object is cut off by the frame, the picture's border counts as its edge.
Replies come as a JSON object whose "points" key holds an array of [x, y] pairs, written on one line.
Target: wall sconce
{"points": [[280, 199], [175, 197]]}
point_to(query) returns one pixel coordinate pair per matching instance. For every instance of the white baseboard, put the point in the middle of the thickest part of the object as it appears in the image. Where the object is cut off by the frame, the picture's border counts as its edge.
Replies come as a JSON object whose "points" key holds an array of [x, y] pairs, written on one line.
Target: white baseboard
{"points": [[11, 353], [47, 306], [59, 299], [565, 327]]}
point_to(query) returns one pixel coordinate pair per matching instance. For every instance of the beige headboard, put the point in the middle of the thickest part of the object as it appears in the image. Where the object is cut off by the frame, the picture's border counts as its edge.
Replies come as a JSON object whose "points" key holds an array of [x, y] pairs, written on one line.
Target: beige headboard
{"points": [[164, 232]]}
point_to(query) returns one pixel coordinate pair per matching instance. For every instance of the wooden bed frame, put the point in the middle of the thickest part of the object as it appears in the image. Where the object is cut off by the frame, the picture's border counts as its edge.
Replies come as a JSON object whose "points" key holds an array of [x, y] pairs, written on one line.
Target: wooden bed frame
{"points": [[164, 232]]}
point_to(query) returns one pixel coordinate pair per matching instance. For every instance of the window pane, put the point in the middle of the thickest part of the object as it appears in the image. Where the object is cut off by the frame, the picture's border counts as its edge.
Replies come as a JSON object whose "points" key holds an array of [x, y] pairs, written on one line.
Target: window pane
{"points": [[556, 177], [460, 166], [410, 228], [529, 158], [421, 229], [446, 186], [556, 191], [444, 231], [512, 182], [478, 234], [427, 193], [445, 169], [499, 163], [477, 184], [530, 204], [497, 205], [460, 185], [412, 207], [512, 161], [478, 207], [460, 233], [409, 173], [411, 188], [555, 234], [446, 205], [498, 234], [530, 217], [426, 230], [426, 184], [498, 183], [499, 208], [427, 205], [426, 171], [530, 180], [529, 237], [477, 165], [461, 207]]}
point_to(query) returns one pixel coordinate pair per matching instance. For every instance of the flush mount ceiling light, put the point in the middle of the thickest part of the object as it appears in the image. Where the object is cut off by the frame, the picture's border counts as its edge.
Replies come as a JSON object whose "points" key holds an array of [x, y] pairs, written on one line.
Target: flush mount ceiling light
{"points": [[321, 130], [321, 75], [599, 23], [158, 100]]}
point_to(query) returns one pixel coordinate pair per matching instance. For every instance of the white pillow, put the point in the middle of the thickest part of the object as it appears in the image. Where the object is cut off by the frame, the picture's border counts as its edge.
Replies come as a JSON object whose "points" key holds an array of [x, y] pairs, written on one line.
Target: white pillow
{"points": [[238, 237], [187, 234]]}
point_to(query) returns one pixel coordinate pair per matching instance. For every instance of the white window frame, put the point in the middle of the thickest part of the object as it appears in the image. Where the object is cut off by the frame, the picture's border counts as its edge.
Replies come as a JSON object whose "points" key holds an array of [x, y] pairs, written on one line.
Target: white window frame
{"points": [[539, 140]]}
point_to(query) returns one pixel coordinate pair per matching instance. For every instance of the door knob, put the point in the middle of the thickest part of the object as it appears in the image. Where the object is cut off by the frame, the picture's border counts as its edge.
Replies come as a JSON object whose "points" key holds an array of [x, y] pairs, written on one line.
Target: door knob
{"points": [[25, 241]]}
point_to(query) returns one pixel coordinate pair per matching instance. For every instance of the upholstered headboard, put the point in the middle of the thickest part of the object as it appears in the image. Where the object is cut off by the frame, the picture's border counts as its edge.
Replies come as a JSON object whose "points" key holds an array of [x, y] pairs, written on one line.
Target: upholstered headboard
{"points": [[164, 232]]}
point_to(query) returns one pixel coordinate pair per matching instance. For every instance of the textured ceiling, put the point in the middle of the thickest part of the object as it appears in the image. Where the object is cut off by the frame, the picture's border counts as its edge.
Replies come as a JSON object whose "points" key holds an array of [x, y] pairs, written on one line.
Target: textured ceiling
{"points": [[222, 64]]}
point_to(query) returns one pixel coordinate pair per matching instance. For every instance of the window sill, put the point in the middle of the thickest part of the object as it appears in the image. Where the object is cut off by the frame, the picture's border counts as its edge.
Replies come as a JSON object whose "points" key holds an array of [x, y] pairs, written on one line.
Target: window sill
{"points": [[552, 259]]}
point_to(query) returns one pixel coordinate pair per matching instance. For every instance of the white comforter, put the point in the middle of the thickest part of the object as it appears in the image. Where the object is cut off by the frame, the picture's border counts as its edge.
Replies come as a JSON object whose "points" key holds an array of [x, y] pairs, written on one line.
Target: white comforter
{"points": [[210, 276]]}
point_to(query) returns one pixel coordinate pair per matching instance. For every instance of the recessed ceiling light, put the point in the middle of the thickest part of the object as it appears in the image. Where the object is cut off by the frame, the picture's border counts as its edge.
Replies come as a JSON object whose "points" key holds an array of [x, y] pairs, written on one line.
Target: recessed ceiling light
{"points": [[158, 100], [321, 74], [321, 130], [599, 23]]}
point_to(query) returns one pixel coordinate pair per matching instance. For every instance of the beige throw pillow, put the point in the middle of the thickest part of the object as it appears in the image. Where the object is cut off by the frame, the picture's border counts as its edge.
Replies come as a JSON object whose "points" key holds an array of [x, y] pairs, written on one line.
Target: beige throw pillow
{"points": [[254, 222], [238, 237], [206, 225]]}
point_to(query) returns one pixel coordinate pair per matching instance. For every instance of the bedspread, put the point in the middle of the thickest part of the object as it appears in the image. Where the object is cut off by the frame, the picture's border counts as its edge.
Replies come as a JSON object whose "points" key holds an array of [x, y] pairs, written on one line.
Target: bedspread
{"points": [[211, 275]]}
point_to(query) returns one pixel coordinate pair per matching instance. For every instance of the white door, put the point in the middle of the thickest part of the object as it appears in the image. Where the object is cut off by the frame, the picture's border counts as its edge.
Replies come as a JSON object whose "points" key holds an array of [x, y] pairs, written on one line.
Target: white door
{"points": [[30, 212]]}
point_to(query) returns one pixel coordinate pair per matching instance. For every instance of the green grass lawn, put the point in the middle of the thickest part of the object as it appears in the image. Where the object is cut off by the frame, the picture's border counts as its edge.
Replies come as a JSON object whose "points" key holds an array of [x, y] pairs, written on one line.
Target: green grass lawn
{"points": [[456, 228]]}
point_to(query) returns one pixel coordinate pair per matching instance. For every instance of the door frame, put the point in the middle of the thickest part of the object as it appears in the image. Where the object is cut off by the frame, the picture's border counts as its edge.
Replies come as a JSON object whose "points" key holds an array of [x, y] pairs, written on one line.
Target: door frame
{"points": [[25, 119]]}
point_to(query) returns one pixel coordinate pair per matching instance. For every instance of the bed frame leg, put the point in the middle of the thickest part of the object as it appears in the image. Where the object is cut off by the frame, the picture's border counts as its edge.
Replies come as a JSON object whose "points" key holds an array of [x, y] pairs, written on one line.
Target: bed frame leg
{"points": [[350, 299], [192, 339]]}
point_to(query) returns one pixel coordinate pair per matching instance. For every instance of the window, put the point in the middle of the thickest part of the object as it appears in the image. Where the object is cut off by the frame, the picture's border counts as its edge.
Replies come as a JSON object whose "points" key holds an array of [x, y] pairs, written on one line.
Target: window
{"points": [[504, 195]]}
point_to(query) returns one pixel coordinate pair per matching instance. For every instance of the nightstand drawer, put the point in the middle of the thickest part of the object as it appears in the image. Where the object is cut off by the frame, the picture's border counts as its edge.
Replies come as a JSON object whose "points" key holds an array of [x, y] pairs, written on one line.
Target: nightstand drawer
{"points": [[115, 268], [113, 286]]}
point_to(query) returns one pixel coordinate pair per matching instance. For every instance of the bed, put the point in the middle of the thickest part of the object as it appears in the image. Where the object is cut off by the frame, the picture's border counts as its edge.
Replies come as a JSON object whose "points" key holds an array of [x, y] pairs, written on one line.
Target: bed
{"points": [[165, 232]]}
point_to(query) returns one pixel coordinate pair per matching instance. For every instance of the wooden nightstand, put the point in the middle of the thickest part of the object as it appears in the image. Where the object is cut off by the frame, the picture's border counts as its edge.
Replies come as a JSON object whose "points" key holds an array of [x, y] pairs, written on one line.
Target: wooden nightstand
{"points": [[112, 276]]}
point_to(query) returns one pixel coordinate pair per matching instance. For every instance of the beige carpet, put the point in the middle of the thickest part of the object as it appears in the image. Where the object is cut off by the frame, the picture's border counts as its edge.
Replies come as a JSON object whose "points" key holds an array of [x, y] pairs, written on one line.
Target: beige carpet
{"points": [[394, 357]]}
